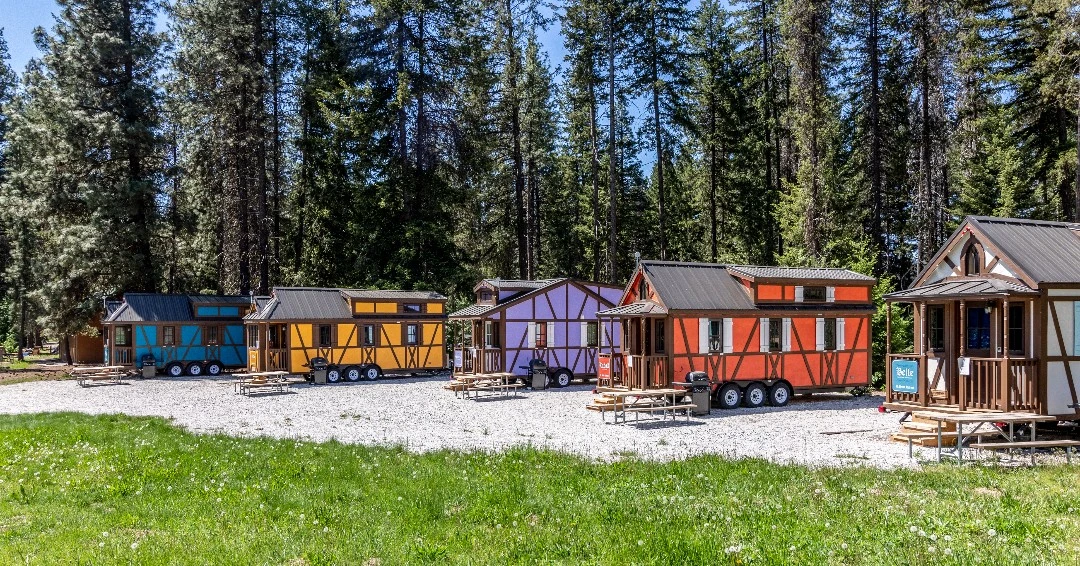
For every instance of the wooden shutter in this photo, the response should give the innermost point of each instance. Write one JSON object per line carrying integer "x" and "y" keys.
{"x": 830, "y": 294}
{"x": 584, "y": 335}
{"x": 786, "y": 336}
{"x": 1076, "y": 328}
{"x": 840, "y": 342}
{"x": 530, "y": 341}
{"x": 551, "y": 335}
{"x": 703, "y": 336}
{"x": 798, "y": 294}
{"x": 729, "y": 340}
{"x": 763, "y": 333}
{"x": 820, "y": 334}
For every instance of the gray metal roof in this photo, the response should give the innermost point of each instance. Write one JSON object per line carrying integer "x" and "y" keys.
{"x": 638, "y": 308}
{"x": 516, "y": 284}
{"x": 472, "y": 311}
{"x": 809, "y": 273}
{"x": 392, "y": 294}
{"x": 955, "y": 288}
{"x": 305, "y": 303}
{"x": 158, "y": 307}
{"x": 1048, "y": 252}
{"x": 696, "y": 286}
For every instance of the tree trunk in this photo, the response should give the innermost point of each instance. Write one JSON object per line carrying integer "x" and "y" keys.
{"x": 659, "y": 142}
{"x": 65, "y": 349}
{"x": 1076, "y": 206}
{"x": 594, "y": 139}
{"x": 876, "y": 189}
{"x": 612, "y": 169}
{"x": 515, "y": 134}
{"x": 713, "y": 229}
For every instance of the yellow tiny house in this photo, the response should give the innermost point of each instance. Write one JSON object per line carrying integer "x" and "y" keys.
{"x": 361, "y": 333}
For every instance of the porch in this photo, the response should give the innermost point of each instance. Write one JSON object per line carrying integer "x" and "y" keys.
{"x": 642, "y": 361}
{"x": 974, "y": 344}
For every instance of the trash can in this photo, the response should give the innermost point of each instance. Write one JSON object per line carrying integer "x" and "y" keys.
{"x": 318, "y": 369}
{"x": 538, "y": 370}
{"x": 700, "y": 394}
{"x": 148, "y": 363}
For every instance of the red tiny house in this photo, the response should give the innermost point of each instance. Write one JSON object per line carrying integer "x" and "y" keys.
{"x": 762, "y": 330}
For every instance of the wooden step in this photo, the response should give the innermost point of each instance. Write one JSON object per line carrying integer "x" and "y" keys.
{"x": 926, "y": 427}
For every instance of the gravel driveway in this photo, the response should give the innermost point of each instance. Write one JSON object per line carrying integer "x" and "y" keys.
{"x": 418, "y": 413}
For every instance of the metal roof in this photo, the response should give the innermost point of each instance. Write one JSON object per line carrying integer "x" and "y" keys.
{"x": 515, "y": 284}
{"x": 305, "y": 303}
{"x": 392, "y": 294}
{"x": 809, "y": 273}
{"x": 958, "y": 288}
{"x": 696, "y": 286}
{"x": 473, "y": 311}
{"x": 638, "y": 308}
{"x": 159, "y": 307}
{"x": 1048, "y": 252}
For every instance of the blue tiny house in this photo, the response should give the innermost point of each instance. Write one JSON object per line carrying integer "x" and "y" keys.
{"x": 186, "y": 334}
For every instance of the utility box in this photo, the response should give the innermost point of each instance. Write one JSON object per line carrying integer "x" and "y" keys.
{"x": 148, "y": 364}
{"x": 538, "y": 371}
{"x": 318, "y": 370}
{"x": 700, "y": 392}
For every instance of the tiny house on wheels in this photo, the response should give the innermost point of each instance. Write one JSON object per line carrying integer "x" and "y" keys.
{"x": 361, "y": 333}
{"x": 192, "y": 334}
{"x": 997, "y": 322}
{"x": 760, "y": 333}
{"x": 515, "y": 321}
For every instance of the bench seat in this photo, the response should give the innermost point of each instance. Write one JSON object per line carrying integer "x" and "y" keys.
{"x": 1031, "y": 445}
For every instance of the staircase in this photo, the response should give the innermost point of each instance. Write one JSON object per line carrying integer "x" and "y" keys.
{"x": 923, "y": 432}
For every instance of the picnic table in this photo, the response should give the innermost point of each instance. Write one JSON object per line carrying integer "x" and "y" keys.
{"x": 470, "y": 386}
{"x": 1003, "y": 424}
{"x": 112, "y": 374}
{"x": 651, "y": 401}
{"x": 247, "y": 382}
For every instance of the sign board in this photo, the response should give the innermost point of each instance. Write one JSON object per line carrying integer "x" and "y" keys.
{"x": 603, "y": 367}
{"x": 964, "y": 365}
{"x": 905, "y": 376}
{"x": 457, "y": 359}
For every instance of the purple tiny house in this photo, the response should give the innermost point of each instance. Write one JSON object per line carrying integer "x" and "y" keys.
{"x": 514, "y": 321}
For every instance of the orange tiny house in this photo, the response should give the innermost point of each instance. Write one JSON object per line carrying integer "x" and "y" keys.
{"x": 760, "y": 333}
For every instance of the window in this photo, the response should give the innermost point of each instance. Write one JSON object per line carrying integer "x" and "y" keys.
{"x": 412, "y": 336}
{"x": 813, "y": 294}
{"x": 660, "y": 346}
{"x": 642, "y": 289}
{"x": 776, "y": 329}
{"x": 1016, "y": 329}
{"x": 369, "y": 335}
{"x": 485, "y": 296}
{"x": 325, "y": 338}
{"x": 716, "y": 336}
{"x": 978, "y": 328}
{"x": 491, "y": 334}
{"x": 253, "y": 336}
{"x": 592, "y": 334}
{"x": 830, "y": 334}
{"x": 168, "y": 335}
{"x": 411, "y": 308}
{"x": 211, "y": 335}
{"x": 276, "y": 336}
{"x": 972, "y": 265}
{"x": 123, "y": 336}
{"x": 935, "y": 327}
{"x": 541, "y": 335}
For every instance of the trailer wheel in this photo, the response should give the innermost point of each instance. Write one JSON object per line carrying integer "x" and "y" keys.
{"x": 194, "y": 369}
{"x": 561, "y": 378}
{"x": 754, "y": 395}
{"x": 333, "y": 374}
{"x": 779, "y": 394}
{"x": 174, "y": 369}
{"x": 728, "y": 396}
{"x": 213, "y": 368}
{"x": 372, "y": 372}
{"x": 352, "y": 374}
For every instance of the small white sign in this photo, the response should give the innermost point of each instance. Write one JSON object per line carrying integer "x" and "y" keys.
{"x": 965, "y": 365}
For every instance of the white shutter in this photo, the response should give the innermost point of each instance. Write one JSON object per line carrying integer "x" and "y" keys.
{"x": 551, "y": 335}
{"x": 530, "y": 341}
{"x": 840, "y": 342}
{"x": 820, "y": 334}
{"x": 787, "y": 335}
{"x": 798, "y": 294}
{"x": 584, "y": 335}
{"x": 763, "y": 333}
{"x": 703, "y": 336}
{"x": 830, "y": 294}
{"x": 604, "y": 338}
{"x": 729, "y": 340}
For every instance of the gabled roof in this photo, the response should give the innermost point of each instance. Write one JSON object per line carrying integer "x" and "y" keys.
{"x": 638, "y": 308}
{"x": 754, "y": 272}
{"x": 1047, "y": 252}
{"x": 159, "y": 307}
{"x": 514, "y": 284}
{"x": 696, "y": 286}
{"x": 960, "y": 288}
{"x": 472, "y": 311}
{"x": 305, "y": 303}
{"x": 528, "y": 289}
{"x": 392, "y": 294}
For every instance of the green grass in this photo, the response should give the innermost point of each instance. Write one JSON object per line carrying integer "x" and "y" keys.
{"x": 136, "y": 490}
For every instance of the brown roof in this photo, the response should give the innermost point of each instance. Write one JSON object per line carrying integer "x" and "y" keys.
{"x": 958, "y": 288}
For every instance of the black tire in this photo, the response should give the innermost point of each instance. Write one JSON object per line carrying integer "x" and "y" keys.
{"x": 194, "y": 369}
{"x": 333, "y": 374}
{"x": 372, "y": 372}
{"x": 214, "y": 368}
{"x": 755, "y": 395}
{"x": 561, "y": 378}
{"x": 174, "y": 369}
{"x": 729, "y": 396}
{"x": 780, "y": 394}
{"x": 352, "y": 374}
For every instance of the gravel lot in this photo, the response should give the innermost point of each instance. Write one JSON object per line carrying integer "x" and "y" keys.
{"x": 834, "y": 430}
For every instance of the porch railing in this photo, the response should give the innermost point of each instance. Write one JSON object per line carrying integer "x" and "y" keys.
{"x": 478, "y": 360}
{"x": 123, "y": 357}
{"x": 275, "y": 360}
{"x": 923, "y": 395}
{"x": 644, "y": 372}
{"x": 999, "y": 384}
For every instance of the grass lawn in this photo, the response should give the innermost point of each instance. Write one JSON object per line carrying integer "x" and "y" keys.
{"x": 137, "y": 490}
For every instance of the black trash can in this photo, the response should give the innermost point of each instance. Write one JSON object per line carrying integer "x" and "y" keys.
{"x": 318, "y": 367}
{"x": 700, "y": 392}
{"x": 148, "y": 364}
{"x": 538, "y": 371}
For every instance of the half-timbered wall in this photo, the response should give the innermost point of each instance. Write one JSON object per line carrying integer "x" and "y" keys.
{"x": 188, "y": 344}
{"x": 391, "y": 352}
{"x": 1062, "y": 351}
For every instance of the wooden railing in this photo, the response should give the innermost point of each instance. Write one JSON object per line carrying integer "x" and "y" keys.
{"x": 645, "y": 372}
{"x": 479, "y": 360}
{"x": 922, "y": 397}
{"x": 275, "y": 360}
{"x": 998, "y": 384}
{"x": 123, "y": 357}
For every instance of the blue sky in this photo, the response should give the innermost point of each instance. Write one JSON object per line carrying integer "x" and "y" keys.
{"x": 18, "y": 18}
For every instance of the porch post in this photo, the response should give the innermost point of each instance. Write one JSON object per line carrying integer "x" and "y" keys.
{"x": 1004, "y": 385}
{"x": 888, "y": 352}
{"x": 961, "y": 380}
{"x": 924, "y": 395}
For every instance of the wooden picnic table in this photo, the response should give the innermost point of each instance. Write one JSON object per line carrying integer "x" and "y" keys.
{"x": 980, "y": 420}
{"x": 84, "y": 374}
{"x": 246, "y": 381}
{"x": 470, "y": 386}
{"x": 645, "y": 400}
